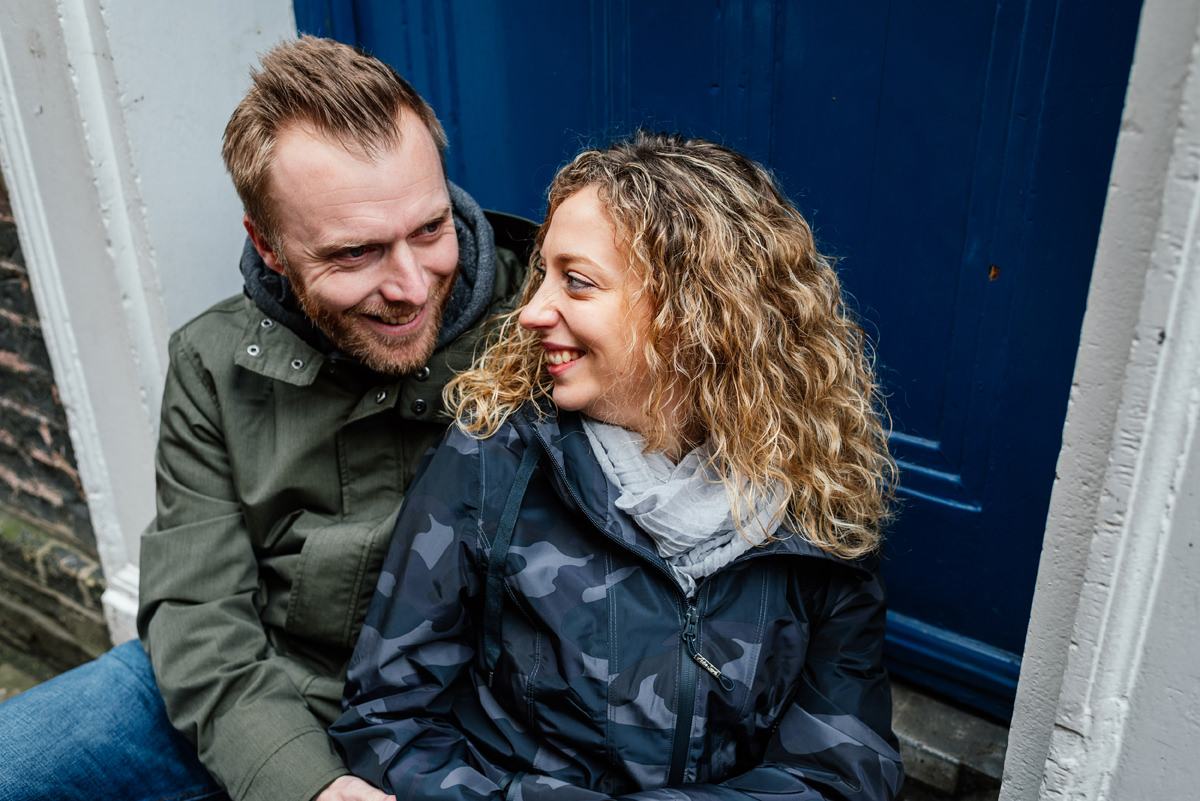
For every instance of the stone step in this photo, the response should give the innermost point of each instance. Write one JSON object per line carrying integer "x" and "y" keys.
{"x": 19, "y": 671}
{"x": 949, "y": 753}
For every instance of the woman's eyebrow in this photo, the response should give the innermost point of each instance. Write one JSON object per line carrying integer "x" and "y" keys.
{"x": 570, "y": 258}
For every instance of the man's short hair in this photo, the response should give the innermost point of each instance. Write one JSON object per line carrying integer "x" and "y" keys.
{"x": 338, "y": 90}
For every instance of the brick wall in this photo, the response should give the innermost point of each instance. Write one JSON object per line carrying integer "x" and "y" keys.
{"x": 50, "y": 578}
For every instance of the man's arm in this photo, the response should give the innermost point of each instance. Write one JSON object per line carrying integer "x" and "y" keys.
{"x": 224, "y": 685}
{"x": 411, "y": 665}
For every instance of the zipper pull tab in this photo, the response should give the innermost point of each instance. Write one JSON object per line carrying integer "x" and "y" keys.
{"x": 689, "y": 640}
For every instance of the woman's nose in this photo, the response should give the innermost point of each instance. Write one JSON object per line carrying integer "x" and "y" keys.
{"x": 539, "y": 312}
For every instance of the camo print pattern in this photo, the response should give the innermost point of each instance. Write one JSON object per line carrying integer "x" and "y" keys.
{"x": 594, "y": 686}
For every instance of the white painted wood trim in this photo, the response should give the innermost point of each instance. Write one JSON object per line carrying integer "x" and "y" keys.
{"x": 111, "y": 114}
{"x": 74, "y": 198}
{"x": 1129, "y": 435}
{"x": 1156, "y": 433}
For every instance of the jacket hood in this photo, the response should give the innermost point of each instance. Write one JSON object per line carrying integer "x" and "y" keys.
{"x": 472, "y": 293}
{"x": 581, "y": 483}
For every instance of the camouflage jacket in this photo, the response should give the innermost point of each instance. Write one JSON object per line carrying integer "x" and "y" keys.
{"x": 549, "y": 653}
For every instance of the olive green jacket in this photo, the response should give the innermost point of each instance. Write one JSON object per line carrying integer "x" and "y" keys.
{"x": 280, "y": 471}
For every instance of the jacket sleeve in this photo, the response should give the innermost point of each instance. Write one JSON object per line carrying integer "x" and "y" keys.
{"x": 225, "y": 687}
{"x": 410, "y": 671}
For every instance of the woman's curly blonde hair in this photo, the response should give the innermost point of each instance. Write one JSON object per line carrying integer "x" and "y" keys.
{"x": 748, "y": 325}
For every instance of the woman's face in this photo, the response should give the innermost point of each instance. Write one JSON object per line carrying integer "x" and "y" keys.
{"x": 590, "y": 319}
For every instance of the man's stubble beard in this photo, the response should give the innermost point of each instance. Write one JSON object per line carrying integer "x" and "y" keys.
{"x": 383, "y": 355}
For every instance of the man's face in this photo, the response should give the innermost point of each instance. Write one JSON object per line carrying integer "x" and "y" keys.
{"x": 368, "y": 246}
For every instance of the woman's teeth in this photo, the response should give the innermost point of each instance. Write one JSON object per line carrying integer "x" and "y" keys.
{"x": 562, "y": 356}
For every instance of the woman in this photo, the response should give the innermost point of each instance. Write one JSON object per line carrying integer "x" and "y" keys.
{"x": 640, "y": 564}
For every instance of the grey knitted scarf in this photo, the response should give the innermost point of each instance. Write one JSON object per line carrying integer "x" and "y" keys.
{"x": 683, "y": 507}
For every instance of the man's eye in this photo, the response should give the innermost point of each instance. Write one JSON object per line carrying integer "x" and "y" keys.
{"x": 432, "y": 227}
{"x": 355, "y": 253}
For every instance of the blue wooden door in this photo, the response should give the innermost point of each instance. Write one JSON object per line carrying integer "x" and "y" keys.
{"x": 953, "y": 154}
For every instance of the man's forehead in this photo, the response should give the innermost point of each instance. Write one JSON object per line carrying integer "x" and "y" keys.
{"x": 411, "y": 138}
{"x": 313, "y": 170}
{"x": 304, "y": 134}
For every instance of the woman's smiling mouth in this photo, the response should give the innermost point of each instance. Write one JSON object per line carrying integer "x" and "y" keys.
{"x": 562, "y": 356}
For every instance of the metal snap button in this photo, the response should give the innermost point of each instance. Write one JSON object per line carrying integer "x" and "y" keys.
{"x": 419, "y": 406}
{"x": 254, "y": 350}
{"x": 297, "y": 364}
{"x": 267, "y": 323}
{"x": 423, "y": 373}
{"x": 381, "y": 396}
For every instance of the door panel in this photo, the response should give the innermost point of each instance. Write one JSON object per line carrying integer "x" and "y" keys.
{"x": 952, "y": 154}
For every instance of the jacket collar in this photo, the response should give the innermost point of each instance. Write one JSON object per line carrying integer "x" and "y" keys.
{"x": 581, "y": 483}
{"x": 276, "y": 351}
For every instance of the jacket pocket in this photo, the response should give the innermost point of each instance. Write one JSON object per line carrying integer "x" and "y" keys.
{"x": 339, "y": 566}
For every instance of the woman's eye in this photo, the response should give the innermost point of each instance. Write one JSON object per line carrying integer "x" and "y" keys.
{"x": 574, "y": 282}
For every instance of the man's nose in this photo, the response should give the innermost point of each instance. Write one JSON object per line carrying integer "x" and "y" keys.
{"x": 404, "y": 280}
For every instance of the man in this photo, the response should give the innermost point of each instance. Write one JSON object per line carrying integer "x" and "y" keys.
{"x": 293, "y": 419}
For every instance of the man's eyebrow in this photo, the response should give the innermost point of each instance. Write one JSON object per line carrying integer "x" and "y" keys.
{"x": 443, "y": 214}
{"x": 329, "y": 248}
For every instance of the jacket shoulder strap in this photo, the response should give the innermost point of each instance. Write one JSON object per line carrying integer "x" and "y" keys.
{"x": 494, "y": 592}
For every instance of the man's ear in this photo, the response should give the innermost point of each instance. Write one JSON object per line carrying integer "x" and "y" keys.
{"x": 268, "y": 254}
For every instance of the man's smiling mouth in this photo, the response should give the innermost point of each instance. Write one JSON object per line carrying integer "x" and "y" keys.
{"x": 393, "y": 318}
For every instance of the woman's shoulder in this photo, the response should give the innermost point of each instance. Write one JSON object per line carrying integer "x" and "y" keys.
{"x": 516, "y": 433}
{"x": 528, "y": 423}
{"x": 793, "y": 543}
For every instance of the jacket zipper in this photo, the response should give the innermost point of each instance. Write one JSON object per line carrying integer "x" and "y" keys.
{"x": 686, "y": 707}
{"x": 689, "y": 655}
{"x": 689, "y": 640}
{"x": 689, "y": 658}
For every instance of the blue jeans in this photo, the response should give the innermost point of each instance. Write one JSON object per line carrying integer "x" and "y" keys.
{"x": 98, "y": 732}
